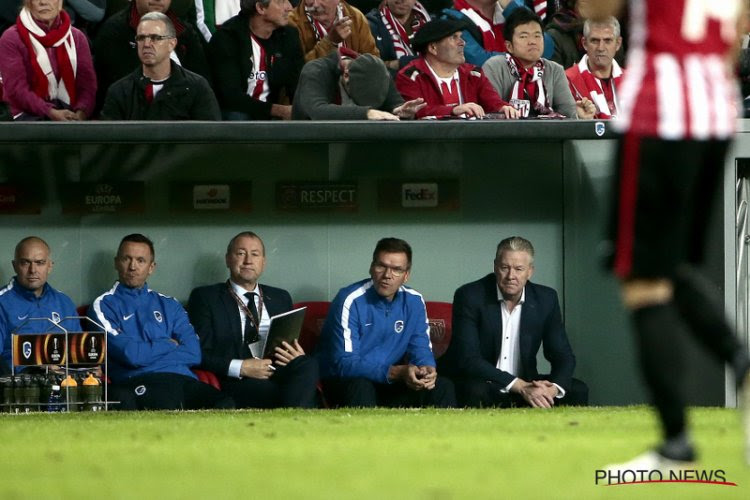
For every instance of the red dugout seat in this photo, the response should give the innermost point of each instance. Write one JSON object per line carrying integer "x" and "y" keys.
{"x": 315, "y": 316}
{"x": 440, "y": 317}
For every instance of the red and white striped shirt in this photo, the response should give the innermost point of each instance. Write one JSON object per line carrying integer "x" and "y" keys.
{"x": 678, "y": 84}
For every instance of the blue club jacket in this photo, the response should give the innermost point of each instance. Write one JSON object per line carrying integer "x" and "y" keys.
{"x": 17, "y": 304}
{"x": 364, "y": 334}
{"x": 142, "y": 327}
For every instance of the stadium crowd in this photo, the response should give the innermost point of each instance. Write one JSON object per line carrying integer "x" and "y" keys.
{"x": 70, "y": 60}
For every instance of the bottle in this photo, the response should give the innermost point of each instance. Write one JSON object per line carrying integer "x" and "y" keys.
{"x": 69, "y": 388}
{"x": 91, "y": 401}
{"x": 18, "y": 395}
{"x": 54, "y": 404}
{"x": 45, "y": 389}
{"x": 7, "y": 384}
{"x": 32, "y": 394}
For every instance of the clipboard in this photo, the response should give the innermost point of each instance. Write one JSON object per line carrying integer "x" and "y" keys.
{"x": 284, "y": 327}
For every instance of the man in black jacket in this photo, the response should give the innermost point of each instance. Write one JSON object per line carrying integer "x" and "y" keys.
{"x": 160, "y": 89}
{"x": 256, "y": 58}
{"x": 115, "y": 53}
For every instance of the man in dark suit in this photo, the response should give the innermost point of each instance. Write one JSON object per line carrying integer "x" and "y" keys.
{"x": 499, "y": 324}
{"x": 232, "y": 320}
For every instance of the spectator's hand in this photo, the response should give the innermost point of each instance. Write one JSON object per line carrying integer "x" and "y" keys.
{"x": 585, "y": 109}
{"x": 62, "y": 115}
{"x": 533, "y": 394}
{"x": 409, "y": 109}
{"x": 428, "y": 376}
{"x": 376, "y": 114}
{"x": 549, "y": 389}
{"x": 341, "y": 29}
{"x": 287, "y": 352}
{"x": 469, "y": 109}
{"x": 283, "y": 111}
{"x": 81, "y": 115}
{"x": 510, "y": 112}
{"x": 256, "y": 368}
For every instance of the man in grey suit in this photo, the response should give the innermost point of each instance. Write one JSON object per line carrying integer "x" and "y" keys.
{"x": 536, "y": 87}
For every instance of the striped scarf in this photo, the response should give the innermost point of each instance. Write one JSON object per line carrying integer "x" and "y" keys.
{"x": 401, "y": 39}
{"x": 60, "y": 38}
{"x": 595, "y": 91}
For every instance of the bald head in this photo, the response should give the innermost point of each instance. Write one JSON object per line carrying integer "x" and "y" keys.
{"x": 32, "y": 263}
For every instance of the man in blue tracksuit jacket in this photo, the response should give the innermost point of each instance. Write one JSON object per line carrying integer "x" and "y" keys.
{"x": 151, "y": 344}
{"x": 28, "y": 295}
{"x": 375, "y": 344}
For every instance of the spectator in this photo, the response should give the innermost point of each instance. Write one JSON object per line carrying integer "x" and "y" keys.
{"x": 28, "y": 295}
{"x": 232, "y": 320}
{"x": 484, "y": 21}
{"x": 160, "y": 89}
{"x": 448, "y": 85}
{"x": 565, "y": 31}
{"x": 151, "y": 344}
{"x": 533, "y": 85}
{"x": 257, "y": 58}
{"x": 115, "y": 49}
{"x": 210, "y": 14}
{"x": 325, "y": 25}
{"x": 46, "y": 65}
{"x": 393, "y": 24}
{"x": 372, "y": 326}
{"x": 499, "y": 324}
{"x": 597, "y": 75}
{"x": 85, "y": 14}
{"x": 348, "y": 86}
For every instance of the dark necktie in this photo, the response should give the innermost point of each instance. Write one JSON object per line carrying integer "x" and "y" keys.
{"x": 251, "y": 334}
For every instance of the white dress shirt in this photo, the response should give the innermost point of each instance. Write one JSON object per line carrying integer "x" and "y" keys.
{"x": 256, "y": 348}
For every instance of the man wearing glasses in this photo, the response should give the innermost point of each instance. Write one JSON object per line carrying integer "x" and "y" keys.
{"x": 375, "y": 344}
{"x": 160, "y": 89}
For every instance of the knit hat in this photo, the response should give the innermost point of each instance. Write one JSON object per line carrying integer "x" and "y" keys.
{"x": 369, "y": 81}
{"x": 434, "y": 31}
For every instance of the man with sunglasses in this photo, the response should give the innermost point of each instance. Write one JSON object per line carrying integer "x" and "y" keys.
{"x": 375, "y": 348}
{"x": 160, "y": 89}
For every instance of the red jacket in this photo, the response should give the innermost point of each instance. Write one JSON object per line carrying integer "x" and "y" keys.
{"x": 415, "y": 80}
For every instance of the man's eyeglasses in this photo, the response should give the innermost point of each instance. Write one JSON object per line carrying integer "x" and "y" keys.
{"x": 152, "y": 38}
{"x": 381, "y": 268}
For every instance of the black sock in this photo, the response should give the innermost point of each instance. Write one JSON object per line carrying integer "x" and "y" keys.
{"x": 678, "y": 448}
{"x": 697, "y": 303}
{"x": 660, "y": 337}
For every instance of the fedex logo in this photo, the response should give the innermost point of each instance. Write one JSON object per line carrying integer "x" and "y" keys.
{"x": 420, "y": 195}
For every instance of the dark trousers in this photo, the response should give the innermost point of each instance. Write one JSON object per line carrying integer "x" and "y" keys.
{"x": 166, "y": 391}
{"x": 364, "y": 393}
{"x": 291, "y": 386}
{"x": 475, "y": 393}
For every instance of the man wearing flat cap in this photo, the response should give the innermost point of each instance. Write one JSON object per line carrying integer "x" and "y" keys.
{"x": 440, "y": 75}
{"x": 348, "y": 86}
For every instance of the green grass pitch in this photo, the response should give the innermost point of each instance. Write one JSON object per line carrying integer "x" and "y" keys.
{"x": 367, "y": 454}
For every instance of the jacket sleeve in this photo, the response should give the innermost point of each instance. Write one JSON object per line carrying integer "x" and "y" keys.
{"x": 205, "y": 106}
{"x": 412, "y": 89}
{"x": 556, "y": 347}
{"x": 310, "y": 47}
{"x": 562, "y": 99}
{"x": 191, "y": 53}
{"x": 85, "y": 76}
{"x": 231, "y": 87}
{"x": 189, "y": 348}
{"x": 361, "y": 34}
{"x": 419, "y": 350}
{"x": 202, "y": 317}
{"x": 14, "y": 69}
{"x": 114, "y": 107}
{"x": 315, "y": 95}
{"x": 466, "y": 325}
{"x": 492, "y": 70}
{"x": 125, "y": 345}
{"x": 343, "y": 329}
{"x": 488, "y": 97}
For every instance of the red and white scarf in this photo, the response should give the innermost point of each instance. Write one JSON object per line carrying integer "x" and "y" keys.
{"x": 401, "y": 39}
{"x": 257, "y": 85}
{"x": 319, "y": 30}
{"x": 528, "y": 86}
{"x": 540, "y": 7}
{"x": 596, "y": 92}
{"x": 43, "y": 81}
{"x": 492, "y": 29}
